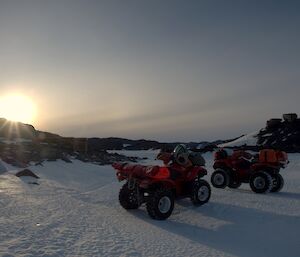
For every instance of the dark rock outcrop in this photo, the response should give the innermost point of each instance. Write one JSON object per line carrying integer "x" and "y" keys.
{"x": 26, "y": 173}
{"x": 290, "y": 117}
{"x": 280, "y": 134}
{"x": 273, "y": 123}
{"x": 13, "y": 130}
{"x": 284, "y": 136}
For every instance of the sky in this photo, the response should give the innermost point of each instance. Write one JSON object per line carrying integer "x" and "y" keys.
{"x": 169, "y": 70}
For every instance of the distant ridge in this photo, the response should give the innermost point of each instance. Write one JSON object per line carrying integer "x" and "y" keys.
{"x": 17, "y": 130}
{"x": 21, "y": 143}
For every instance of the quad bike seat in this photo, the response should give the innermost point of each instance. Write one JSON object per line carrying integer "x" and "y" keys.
{"x": 135, "y": 170}
{"x": 221, "y": 154}
{"x": 242, "y": 159}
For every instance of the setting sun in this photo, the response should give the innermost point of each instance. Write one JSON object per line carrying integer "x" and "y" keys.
{"x": 17, "y": 108}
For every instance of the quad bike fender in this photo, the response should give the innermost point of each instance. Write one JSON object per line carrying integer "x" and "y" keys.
{"x": 151, "y": 183}
{"x": 268, "y": 168}
{"x": 221, "y": 164}
{"x": 196, "y": 171}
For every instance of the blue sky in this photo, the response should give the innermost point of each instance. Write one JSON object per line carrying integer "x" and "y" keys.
{"x": 165, "y": 70}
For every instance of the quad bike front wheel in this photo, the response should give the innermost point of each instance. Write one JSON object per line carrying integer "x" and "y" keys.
{"x": 128, "y": 198}
{"x": 160, "y": 204}
{"x": 278, "y": 183}
{"x": 261, "y": 182}
{"x": 220, "y": 178}
{"x": 201, "y": 192}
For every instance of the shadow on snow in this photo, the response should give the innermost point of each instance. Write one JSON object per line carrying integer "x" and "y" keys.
{"x": 248, "y": 232}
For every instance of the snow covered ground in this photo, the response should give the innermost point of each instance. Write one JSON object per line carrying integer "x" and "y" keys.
{"x": 249, "y": 139}
{"x": 74, "y": 211}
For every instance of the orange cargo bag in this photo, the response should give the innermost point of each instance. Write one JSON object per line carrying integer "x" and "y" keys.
{"x": 282, "y": 157}
{"x": 268, "y": 155}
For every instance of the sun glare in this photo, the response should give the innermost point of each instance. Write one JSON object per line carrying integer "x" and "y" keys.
{"x": 17, "y": 108}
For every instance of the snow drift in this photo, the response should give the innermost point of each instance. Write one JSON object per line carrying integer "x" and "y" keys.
{"x": 248, "y": 140}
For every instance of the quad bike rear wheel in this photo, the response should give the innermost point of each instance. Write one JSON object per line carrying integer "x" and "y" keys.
{"x": 261, "y": 182}
{"x": 220, "y": 178}
{"x": 160, "y": 204}
{"x": 128, "y": 198}
{"x": 278, "y": 183}
{"x": 201, "y": 192}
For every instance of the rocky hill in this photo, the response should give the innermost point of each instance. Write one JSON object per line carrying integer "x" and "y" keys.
{"x": 12, "y": 130}
{"x": 282, "y": 134}
{"x": 21, "y": 144}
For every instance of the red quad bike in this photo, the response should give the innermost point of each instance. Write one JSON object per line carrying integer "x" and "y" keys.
{"x": 159, "y": 186}
{"x": 261, "y": 172}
